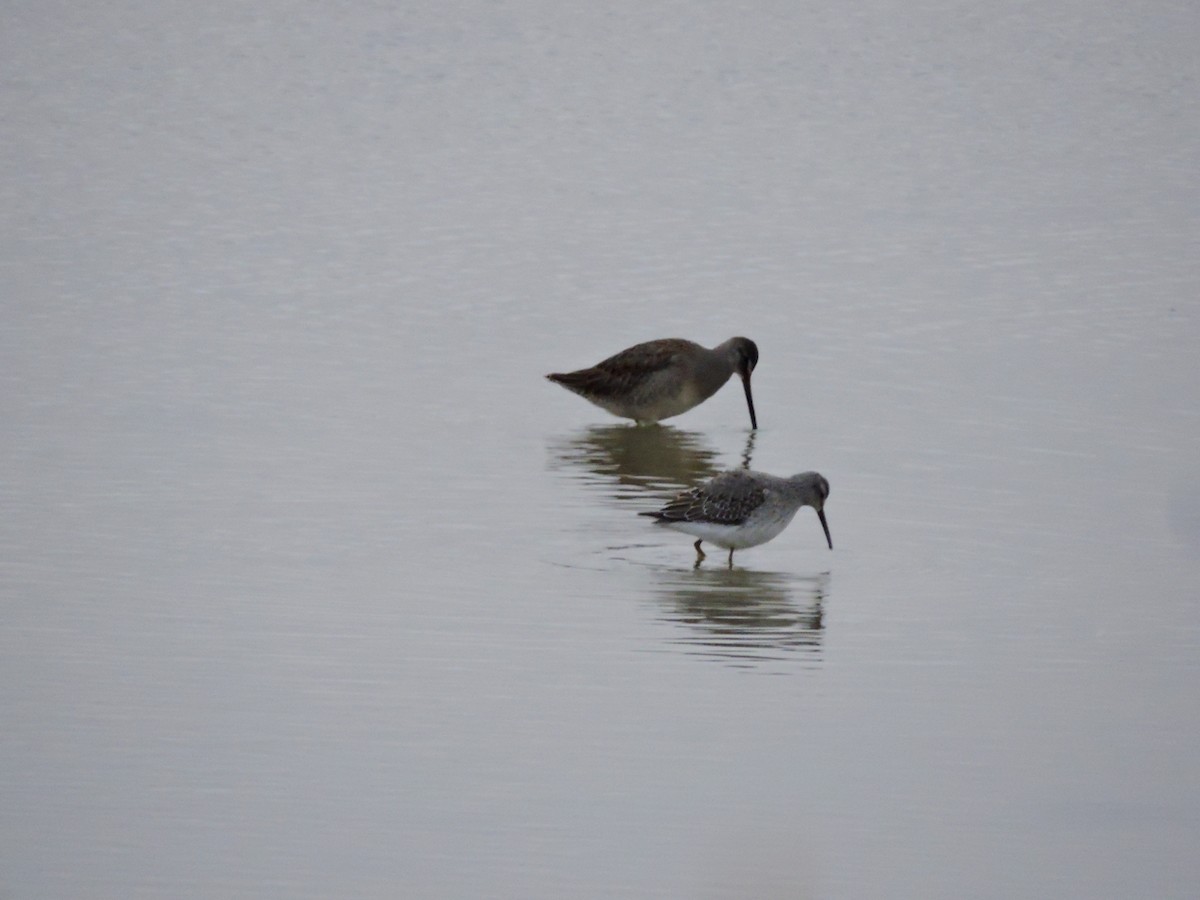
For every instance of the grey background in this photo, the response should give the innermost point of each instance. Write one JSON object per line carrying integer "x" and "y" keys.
{"x": 312, "y": 586}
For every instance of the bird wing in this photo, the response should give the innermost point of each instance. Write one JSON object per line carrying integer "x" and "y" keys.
{"x": 725, "y": 500}
{"x": 622, "y": 373}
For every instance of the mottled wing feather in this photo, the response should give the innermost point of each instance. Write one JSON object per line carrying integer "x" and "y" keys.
{"x": 622, "y": 374}
{"x": 726, "y": 500}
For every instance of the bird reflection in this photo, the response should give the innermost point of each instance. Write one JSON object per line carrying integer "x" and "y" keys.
{"x": 743, "y": 617}
{"x": 657, "y": 457}
{"x": 635, "y": 459}
{"x": 749, "y": 451}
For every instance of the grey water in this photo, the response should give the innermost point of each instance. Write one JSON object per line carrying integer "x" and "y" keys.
{"x": 312, "y": 586}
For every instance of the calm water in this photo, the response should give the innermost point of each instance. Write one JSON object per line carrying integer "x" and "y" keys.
{"x": 312, "y": 586}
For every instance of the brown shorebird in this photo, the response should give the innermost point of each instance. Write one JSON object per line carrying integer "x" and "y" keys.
{"x": 742, "y": 508}
{"x": 660, "y": 379}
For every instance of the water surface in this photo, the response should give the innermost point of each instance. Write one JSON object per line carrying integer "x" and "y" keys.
{"x": 313, "y": 586}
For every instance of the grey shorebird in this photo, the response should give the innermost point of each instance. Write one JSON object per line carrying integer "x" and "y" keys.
{"x": 742, "y": 508}
{"x": 660, "y": 379}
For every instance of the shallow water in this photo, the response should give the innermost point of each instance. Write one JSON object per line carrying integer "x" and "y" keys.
{"x": 314, "y": 586}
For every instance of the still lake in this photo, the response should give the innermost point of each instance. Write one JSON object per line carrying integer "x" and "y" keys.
{"x": 313, "y": 586}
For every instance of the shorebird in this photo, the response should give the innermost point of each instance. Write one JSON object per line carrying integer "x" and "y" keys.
{"x": 659, "y": 379}
{"x": 742, "y": 508}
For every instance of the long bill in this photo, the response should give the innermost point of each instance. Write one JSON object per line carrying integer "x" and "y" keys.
{"x": 749, "y": 400}
{"x": 825, "y": 525}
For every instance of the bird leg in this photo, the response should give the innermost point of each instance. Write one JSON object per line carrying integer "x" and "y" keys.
{"x": 731, "y": 559}
{"x": 700, "y": 554}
